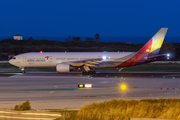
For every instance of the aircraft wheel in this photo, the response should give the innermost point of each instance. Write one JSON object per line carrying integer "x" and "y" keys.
{"x": 90, "y": 72}
{"x": 23, "y": 72}
{"x": 84, "y": 73}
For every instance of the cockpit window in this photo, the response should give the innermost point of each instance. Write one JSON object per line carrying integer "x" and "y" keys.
{"x": 11, "y": 57}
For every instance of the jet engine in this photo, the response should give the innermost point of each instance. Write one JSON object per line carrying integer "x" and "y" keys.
{"x": 63, "y": 67}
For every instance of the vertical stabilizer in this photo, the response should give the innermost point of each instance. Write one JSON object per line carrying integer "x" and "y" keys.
{"x": 151, "y": 48}
{"x": 154, "y": 44}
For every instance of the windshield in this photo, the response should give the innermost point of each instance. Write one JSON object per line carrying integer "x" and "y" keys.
{"x": 13, "y": 58}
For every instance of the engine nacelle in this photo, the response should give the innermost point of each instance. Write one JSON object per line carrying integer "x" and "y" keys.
{"x": 63, "y": 67}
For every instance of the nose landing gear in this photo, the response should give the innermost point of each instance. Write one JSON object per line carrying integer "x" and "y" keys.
{"x": 23, "y": 71}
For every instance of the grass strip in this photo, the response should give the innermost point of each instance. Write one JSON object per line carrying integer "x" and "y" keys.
{"x": 126, "y": 109}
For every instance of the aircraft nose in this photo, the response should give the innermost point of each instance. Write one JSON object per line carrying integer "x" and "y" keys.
{"x": 10, "y": 61}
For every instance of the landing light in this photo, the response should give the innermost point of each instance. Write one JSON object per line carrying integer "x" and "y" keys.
{"x": 168, "y": 55}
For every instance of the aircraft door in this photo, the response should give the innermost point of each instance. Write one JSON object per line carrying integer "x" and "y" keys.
{"x": 24, "y": 59}
{"x": 50, "y": 58}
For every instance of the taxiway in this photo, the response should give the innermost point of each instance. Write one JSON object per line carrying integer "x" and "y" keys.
{"x": 53, "y": 90}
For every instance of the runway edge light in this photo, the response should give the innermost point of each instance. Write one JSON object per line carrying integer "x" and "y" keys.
{"x": 80, "y": 85}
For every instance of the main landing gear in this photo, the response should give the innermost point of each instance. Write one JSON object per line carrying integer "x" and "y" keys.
{"x": 88, "y": 72}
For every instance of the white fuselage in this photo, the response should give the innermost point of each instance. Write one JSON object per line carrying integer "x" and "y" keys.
{"x": 68, "y": 61}
{"x": 51, "y": 59}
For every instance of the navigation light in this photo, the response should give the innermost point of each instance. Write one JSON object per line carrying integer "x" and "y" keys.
{"x": 41, "y": 51}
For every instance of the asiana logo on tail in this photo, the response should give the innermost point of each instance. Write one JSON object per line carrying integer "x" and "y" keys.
{"x": 47, "y": 57}
{"x": 147, "y": 50}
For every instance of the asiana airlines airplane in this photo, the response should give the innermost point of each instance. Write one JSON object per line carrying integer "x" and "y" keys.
{"x": 68, "y": 61}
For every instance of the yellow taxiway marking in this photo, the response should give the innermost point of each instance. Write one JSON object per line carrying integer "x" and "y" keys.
{"x": 56, "y": 86}
{"x": 51, "y": 92}
{"x": 28, "y": 118}
{"x": 57, "y": 115}
{"x": 5, "y": 112}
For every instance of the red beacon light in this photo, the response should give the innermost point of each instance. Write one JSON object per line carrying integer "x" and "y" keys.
{"x": 41, "y": 51}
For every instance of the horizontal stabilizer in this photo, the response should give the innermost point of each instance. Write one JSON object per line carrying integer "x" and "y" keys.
{"x": 152, "y": 57}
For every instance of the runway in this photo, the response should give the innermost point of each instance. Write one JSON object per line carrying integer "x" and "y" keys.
{"x": 53, "y": 90}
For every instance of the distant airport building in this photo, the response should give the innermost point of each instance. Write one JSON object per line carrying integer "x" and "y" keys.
{"x": 128, "y": 42}
{"x": 18, "y": 37}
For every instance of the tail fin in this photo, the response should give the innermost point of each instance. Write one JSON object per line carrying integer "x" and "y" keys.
{"x": 154, "y": 44}
{"x": 151, "y": 48}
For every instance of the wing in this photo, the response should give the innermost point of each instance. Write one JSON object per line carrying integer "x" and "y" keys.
{"x": 86, "y": 62}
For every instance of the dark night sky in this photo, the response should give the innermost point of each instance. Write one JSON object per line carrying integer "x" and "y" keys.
{"x": 88, "y": 17}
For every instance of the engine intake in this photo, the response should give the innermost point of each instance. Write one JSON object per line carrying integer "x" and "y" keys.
{"x": 63, "y": 67}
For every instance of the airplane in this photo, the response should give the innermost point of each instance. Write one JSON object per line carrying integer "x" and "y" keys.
{"x": 68, "y": 61}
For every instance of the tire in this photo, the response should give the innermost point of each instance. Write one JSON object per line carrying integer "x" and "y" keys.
{"x": 93, "y": 72}
{"x": 90, "y": 72}
{"x": 83, "y": 73}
